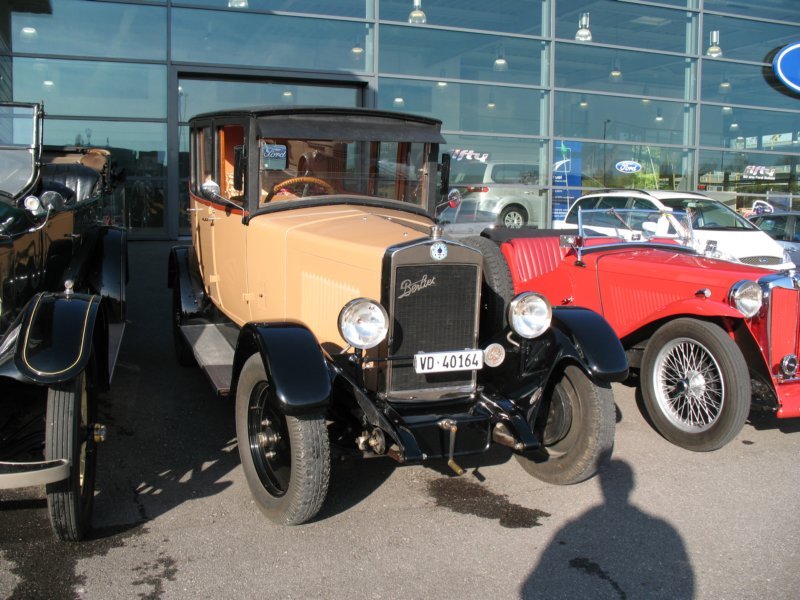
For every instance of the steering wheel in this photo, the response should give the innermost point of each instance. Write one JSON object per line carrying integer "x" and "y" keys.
{"x": 304, "y": 180}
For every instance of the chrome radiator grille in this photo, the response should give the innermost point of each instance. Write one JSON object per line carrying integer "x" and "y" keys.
{"x": 430, "y": 317}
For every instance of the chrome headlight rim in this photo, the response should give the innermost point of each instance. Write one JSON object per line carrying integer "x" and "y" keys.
{"x": 747, "y": 297}
{"x": 363, "y": 323}
{"x": 529, "y": 315}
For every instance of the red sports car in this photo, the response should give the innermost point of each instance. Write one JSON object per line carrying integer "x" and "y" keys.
{"x": 708, "y": 337}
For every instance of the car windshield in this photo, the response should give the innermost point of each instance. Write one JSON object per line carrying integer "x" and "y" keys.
{"x": 709, "y": 214}
{"x": 634, "y": 225}
{"x": 17, "y": 144}
{"x": 380, "y": 169}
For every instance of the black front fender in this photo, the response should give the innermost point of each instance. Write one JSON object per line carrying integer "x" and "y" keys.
{"x": 55, "y": 337}
{"x": 293, "y": 362}
{"x": 596, "y": 346}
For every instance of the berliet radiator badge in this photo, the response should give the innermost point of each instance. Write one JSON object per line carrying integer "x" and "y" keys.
{"x": 439, "y": 251}
{"x": 408, "y": 287}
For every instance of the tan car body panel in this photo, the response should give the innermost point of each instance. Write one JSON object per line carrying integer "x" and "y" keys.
{"x": 304, "y": 264}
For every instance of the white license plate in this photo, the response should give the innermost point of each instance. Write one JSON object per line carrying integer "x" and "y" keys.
{"x": 440, "y": 362}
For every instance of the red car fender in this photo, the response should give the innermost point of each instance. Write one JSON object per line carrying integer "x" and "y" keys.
{"x": 701, "y": 307}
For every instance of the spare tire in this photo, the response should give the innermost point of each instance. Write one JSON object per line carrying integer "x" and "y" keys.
{"x": 497, "y": 289}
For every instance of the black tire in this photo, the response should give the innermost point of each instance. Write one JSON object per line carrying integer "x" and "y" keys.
{"x": 71, "y": 414}
{"x": 513, "y": 216}
{"x": 290, "y": 486}
{"x": 183, "y": 352}
{"x": 695, "y": 384}
{"x": 577, "y": 434}
{"x": 497, "y": 289}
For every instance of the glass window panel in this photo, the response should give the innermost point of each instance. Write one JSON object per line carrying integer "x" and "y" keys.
{"x": 91, "y": 88}
{"x": 99, "y": 29}
{"x": 197, "y": 96}
{"x": 337, "y": 8}
{"x": 594, "y": 165}
{"x": 590, "y": 68}
{"x": 140, "y": 149}
{"x": 627, "y": 24}
{"x": 730, "y": 127}
{"x": 468, "y": 107}
{"x": 623, "y": 119}
{"x": 509, "y": 16}
{"x": 241, "y": 38}
{"x": 778, "y": 10}
{"x": 732, "y": 83}
{"x": 509, "y": 168}
{"x": 748, "y": 172}
{"x": 748, "y": 40}
{"x": 450, "y": 54}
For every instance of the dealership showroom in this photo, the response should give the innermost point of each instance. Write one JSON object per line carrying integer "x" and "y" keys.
{"x": 684, "y": 90}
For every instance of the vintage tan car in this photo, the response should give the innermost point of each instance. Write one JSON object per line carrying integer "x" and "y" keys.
{"x": 321, "y": 293}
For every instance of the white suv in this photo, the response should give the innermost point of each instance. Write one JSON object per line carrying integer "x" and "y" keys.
{"x": 508, "y": 190}
{"x": 735, "y": 238}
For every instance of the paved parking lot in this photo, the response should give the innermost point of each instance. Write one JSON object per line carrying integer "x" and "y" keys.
{"x": 174, "y": 518}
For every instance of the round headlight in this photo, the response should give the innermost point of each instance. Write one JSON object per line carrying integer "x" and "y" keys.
{"x": 363, "y": 323}
{"x": 529, "y": 314}
{"x": 746, "y": 297}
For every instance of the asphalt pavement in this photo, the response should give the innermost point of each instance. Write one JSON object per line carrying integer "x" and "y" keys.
{"x": 174, "y": 518}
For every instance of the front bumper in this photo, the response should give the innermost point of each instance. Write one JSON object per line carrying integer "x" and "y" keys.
{"x": 25, "y": 474}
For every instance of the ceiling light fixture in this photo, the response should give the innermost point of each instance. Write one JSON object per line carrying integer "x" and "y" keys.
{"x": 238, "y": 4}
{"x": 727, "y": 110}
{"x": 491, "y": 105}
{"x": 584, "y": 103}
{"x": 48, "y": 83}
{"x": 398, "y": 101}
{"x": 29, "y": 33}
{"x": 417, "y": 16}
{"x": 724, "y": 85}
{"x": 659, "y": 116}
{"x": 584, "y": 34}
{"x": 500, "y": 62}
{"x": 734, "y": 126}
{"x": 357, "y": 50}
{"x": 714, "y": 50}
{"x": 616, "y": 71}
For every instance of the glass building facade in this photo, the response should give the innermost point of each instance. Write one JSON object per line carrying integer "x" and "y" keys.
{"x": 570, "y": 89}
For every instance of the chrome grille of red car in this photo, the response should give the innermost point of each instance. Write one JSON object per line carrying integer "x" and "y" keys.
{"x": 784, "y": 336}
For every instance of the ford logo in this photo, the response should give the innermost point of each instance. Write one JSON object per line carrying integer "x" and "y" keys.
{"x": 787, "y": 66}
{"x": 628, "y": 166}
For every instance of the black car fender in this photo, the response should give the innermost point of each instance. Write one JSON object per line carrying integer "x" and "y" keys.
{"x": 293, "y": 362}
{"x": 182, "y": 271}
{"x": 55, "y": 336}
{"x": 594, "y": 344}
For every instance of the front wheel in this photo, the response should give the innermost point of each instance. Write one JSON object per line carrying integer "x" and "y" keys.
{"x": 577, "y": 433}
{"x": 286, "y": 459}
{"x": 71, "y": 413}
{"x": 695, "y": 385}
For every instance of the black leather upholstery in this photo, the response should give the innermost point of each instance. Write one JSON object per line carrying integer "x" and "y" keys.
{"x": 82, "y": 180}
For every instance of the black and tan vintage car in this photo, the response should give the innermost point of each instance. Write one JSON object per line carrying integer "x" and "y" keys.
{"x": 62, "y": 313}
{"x": 321, "y": 293}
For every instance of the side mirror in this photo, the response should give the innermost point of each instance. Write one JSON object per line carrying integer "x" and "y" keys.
{"x": 454, "y": 198}
{"x": 210, "y": 190}
{"x": 444, "y": 182}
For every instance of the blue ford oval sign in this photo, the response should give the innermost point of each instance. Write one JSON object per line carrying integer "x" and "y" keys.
{"x": 787, "y": 66}
{"x": 628, "y": 166}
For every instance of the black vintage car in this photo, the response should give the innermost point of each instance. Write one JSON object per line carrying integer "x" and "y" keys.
{"x": 63, "y": 275}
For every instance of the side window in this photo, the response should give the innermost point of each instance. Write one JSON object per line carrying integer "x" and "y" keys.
{"x": 231, "y": 144}
{"x": 202, "y": 168}
{"x": 774, "y": 227}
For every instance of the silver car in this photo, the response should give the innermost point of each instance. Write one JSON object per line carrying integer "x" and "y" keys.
{"x": 784, "y": 228}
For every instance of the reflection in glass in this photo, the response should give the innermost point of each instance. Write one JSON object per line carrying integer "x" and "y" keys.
{"x": 508, "y": 16}
{"x": 266, "y": 40}
{"x": 98, "y": 29}
{"x": 626, "y": 24}
{"x": 92, "y": 88}
{"x": 579, "y": 66}
{"x": 339, "y": 8}
{"x": 777, "y": 10}
{"x": 754, "y": 85}
{"x": 140, "y": 149}
{"x": 623, "y": 119}
{"x": 748, "y": 172}
{"x": 469, "y": 55}
{"x": 754, "y": 41}
{"x": 465, "y": 107}
{"x": 196, "y": 96}
{"x": 729, "y": 127}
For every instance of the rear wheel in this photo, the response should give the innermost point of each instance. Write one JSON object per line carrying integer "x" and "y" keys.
{"x": 577, "y": 433}
{"x": 695, "y": 384}
{"x": 286, "y": 459}
{"x": 497, "y": 290}
{"x": 71, "y": 414}
{"x": 513, "y": 217}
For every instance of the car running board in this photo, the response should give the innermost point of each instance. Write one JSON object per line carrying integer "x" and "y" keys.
{"x": 213, "y": 351}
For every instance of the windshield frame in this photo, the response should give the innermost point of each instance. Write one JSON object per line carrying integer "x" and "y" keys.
{"x": 14, "y": 185}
